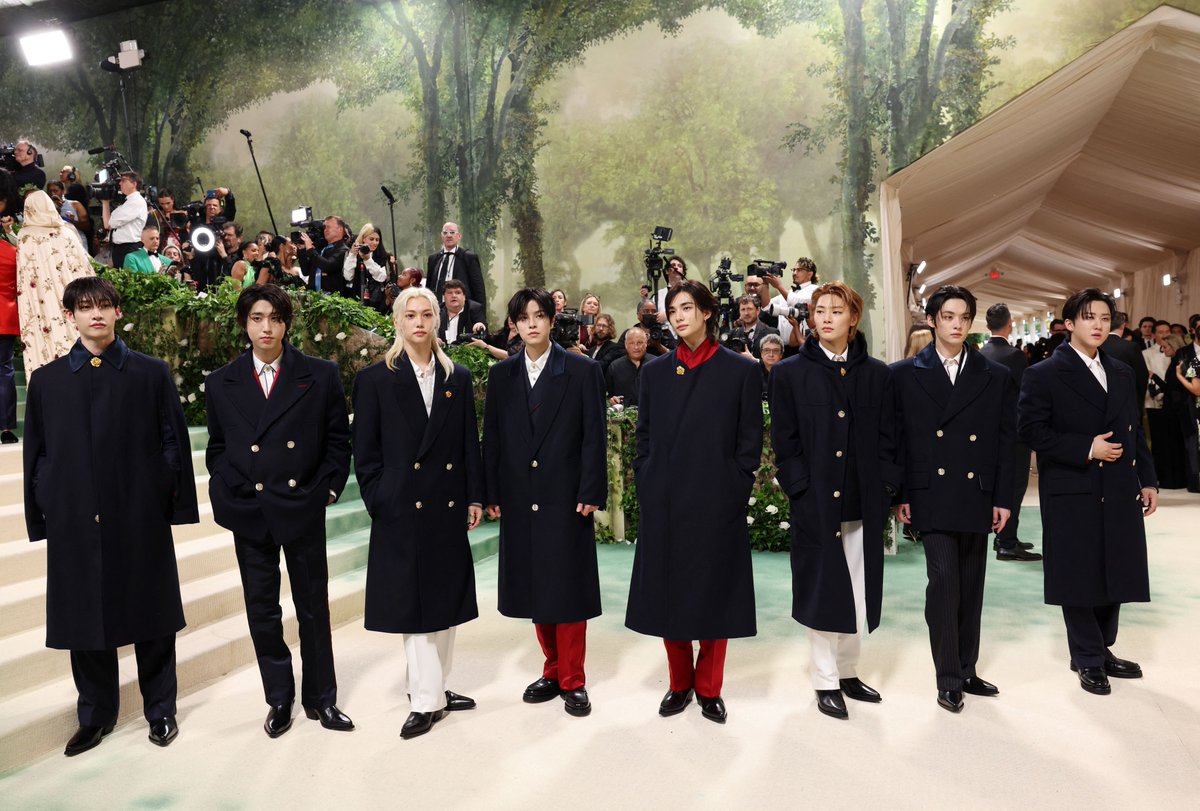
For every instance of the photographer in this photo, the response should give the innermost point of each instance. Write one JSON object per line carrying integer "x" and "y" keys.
{"x": 27, "y": 174}
{"x": 323, "y": 268}
{"x": 676, "y": 273}
{"x": 659, "y": 340}
{"x": 604, "y": 350}
{"x": 804, "y": 282}
{"x": 229, "y": 247}
{"x": 624, "y": 373}
{"x": 365, "y": 269}
{"x": 71, "y": 211}
{"x": 503, "y": 343}
{"x": 459, "y": 317}
{"x": 789, "y": 327}
{"x": 126, "y": 220}
{"x": 163, "y": 213}
{"x": 749, "y": 324}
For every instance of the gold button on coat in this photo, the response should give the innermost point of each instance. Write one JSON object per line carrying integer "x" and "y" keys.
{"x": 416, "y": 465}
{"x": 941, "y": 471}
{"x": 419, "y": 505}
{"x": 971, "y": 437}
{"x": 535, "y": 508}
{"x": 449, "y": 466}
{"x": 291, "y": 444}
{"x": 837, "y": 534}
{"x": 837, "y": 493}
{"x": 258, "y": 487}
{"x": 841, "y": 414}
{"x": 533, "y": 463}
{"x": 253, "y": 449}
{"x": 970, "y": 475}
{"x": 941, "y": 432}
{"x": 451, "y": 504}
{"x": 291, "y": 482}
{"x": 838, "y": 454}
{"x": 97, "y": 519}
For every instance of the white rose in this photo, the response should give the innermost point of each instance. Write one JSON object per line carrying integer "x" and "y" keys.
{"x": 363, "y": 351}
{"x": 128, "y": 326}
{"x": 202, "y": 295}
{"x": 201, "y": 387}
{"x": 183, "y": 342}
{"x": 784, "y": 525}
{"x": 341, "y": 336}
{"x": 192, "y": 397}
{"x": 772, "y": 509}
{"x": 753, "y": 501}
{"x": 749, "y": 519}
{"x": 317, "y": 338}
{"x": 351, "y": 420}
{"x": 178, "y": 380}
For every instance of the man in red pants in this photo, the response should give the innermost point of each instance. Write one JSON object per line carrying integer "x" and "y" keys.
{"x": 544, "y": 440}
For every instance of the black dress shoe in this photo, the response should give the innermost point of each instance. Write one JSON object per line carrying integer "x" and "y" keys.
{"x": 331, "y": 718}
{"x": 951, "y": 700}
{"x": 1017, "y": 554}
{"x": 577, "y": 702}
{"x": 542, "y": 690}
{"x": 418, "y": 723}
{"x": 455, "y": 702}
{"x": 163, "y": 731}
{"x": 8, "y": 438}
{"x": 279, "y": 720}
{"x": 85, "y": 738}
{"x": 1020, "y": 545}
{"x": 1093, "y": 679}
{"x": 978, "y": 687}
{"x": 832, "y": 704}
{"x": 674, "y": 703}
{"x": 1121, "y": 668}
{"x": 855, "y": 689}
{"x": 712, "y": 708}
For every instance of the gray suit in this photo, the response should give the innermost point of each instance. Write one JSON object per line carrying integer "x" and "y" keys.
{"x": 1013, "y": 359}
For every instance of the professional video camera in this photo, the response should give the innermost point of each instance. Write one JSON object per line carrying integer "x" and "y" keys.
{"x": 8, "y": 158}
{"x": 656, "y": 332}
{"x": 467, "y": 337}
{"x": 655, "y": 257}
{"x": 105, "y": 186}
{"x": 565, "y": 331}
{"x": 721, "y": 284}
{"x": 302, "y": 219}
{"x": 765, "y": 267}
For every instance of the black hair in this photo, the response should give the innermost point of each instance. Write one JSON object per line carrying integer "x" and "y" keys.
{"x": 1146, "y": 318}
{"x": 237, "y": 229}
{"x": 134, "y": 176}
{"x": 58, "y": 183}
{"x": 1192, "y": 319}
{"x": 454, "y": 284}
{"x": 9, "y": 200}
{"x": 165, "y": 192}
{"x": 947, "y": 292}
{"x": 77, "y": 193}
{"x": 243, "y": 246}
{"x": 280, "y": 301}
{"x": 1161, "y": 323}
{"x": 521, "y": 299}
{"x": 94, "y": 290}
{"x": 998, "y": 317}
{"x": 678, "y": 259}
{"x": 1078, "y": 303}
{"x": 1119, "y": 320}
{"x": 1056, "y": 322}
{"x": 704, "y": 299}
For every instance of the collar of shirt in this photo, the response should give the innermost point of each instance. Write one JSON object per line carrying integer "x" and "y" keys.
{"x": 1088, "y": 362}
{"x": 115, "y": 354}
{"x": 426, "y": 377}
{"x": 831, "y": 355}
{"x": 962, "y": 357}
{"x": 535, "y": 368}
{"x": 258, "y": 364}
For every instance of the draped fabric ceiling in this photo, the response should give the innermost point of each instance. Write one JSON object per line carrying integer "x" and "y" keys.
{"x": 1089, "y": 179}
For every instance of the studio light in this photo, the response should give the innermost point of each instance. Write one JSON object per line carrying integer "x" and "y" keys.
{"x": 1167, "y": 279}
{"x": 921, "y": 290}
{"x": 203, "y": 238}
{"x": 1117, "y": 293}
{"x": 46, "y": 48}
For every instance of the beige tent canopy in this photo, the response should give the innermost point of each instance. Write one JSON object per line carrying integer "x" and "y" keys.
{"x": 1089, "y": 179}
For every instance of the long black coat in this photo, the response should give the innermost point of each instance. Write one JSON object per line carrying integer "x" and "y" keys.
{"x": 417, "y": 474}
{"x": 274, "y": 460}
{"x": 1093, "y": 531}
{"x": 108, "y": 469}
{"x": 699, "y": 445}
{"x": 958, "y": 439}
{"x": 814, "y": 413}
{"x": 538, "y": 468}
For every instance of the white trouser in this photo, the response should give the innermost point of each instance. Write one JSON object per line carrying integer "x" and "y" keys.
{"x": 834, "y": 655}
{"x": 429, "y": 660}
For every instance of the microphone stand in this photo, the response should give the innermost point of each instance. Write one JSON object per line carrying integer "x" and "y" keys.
{"x": 250, "y": 144}
{"x": 391, "y": 213}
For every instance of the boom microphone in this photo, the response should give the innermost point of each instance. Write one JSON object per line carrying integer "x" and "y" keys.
{"x": 245, "y": 132}
{"x": 99, "y": 150}
{"x": 387, "y": 194}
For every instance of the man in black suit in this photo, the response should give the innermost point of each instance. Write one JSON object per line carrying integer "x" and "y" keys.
{"x": 1097, "y": 483}
{"x": 1185, "y": 403}
{"x": 453, "y": 262}
{"x": 459, "y": 316}
{"x": 1128, "y": 352}
{"x": 998, "y": 349}
{"x": 604, "y": 350}
{"x": 278, "y": 453}
{"x": 958, "y": 412}
{"x": 755, "y": 329}
{"x": 1146, "y": 332}
{"x": 324, "y": 269}
{"x": 624, "y": 373}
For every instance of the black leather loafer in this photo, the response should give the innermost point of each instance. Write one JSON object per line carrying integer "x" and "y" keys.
{"x": 455, "y": 702}
{"x": 855, "y": 689}
{"x": 1017, "y": 554}
{"x": 1121, "y": 668}
{"x": 541, "y": 690}
{"x": 712, "y": 708}
{"x": 163, "y": 731}
{"x": 674, "y": 703}
{"x": 1020, "y": 545}
{"x": 85, "y": 738}
{"x": 418, "y": 723}
{"x": 978, "y": 687}
{"x": 1094, "y": 680}
{"x": 279, "y": 720}
{"x": 577, "y": 702}
{"x": 951, "y": 700}
{"x": 831, "y": 703}
{"x": 331, "y": 718}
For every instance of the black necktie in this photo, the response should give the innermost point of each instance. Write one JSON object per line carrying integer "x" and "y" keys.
{"x": 442, "y": 271}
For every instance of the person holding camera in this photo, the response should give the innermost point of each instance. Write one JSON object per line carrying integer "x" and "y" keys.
{"x": 459, "y": 317}
{"x": 365, "y": 269}
{"x": 71, "y": 211}
{"x": 324, "y": 269}
{"x": 127, "y": 220}
{"x": 623, "y": 375}
{"x": 836, "y": 444}
{"x": 503, "y": 343}
{"x": 692, "y": 576}
{"x": 659, "y": 340}
{"x": 1166, "y": 439}
{"x": 749, "y": 323}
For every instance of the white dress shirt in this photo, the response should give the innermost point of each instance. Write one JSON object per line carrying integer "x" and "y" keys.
{"x": 452, "y": 325}
{"x": 1094, "y": 366}
{"x": 267, "y": 382}
{"x": 426, "y": 378}
{"x": 128, "y": 219}
{"x": 535, "y": 368}
{"x": 953, "y": 369}
{"x": 350, "y": 264}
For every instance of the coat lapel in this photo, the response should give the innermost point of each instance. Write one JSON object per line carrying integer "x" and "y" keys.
{"x": 556, "y": 387}
{"x": 294, "y": 381}
{"x": 408, "y": 397}
{"x": 1077, "y": 376}
{"x": 1120, "y": 387}
{"x": 519, "y": 398}
{"x": 443, "y": 398}
{"x": 972, "y": 379}
{"x": 244, "y": 390}
{"x": 932, "y": 377}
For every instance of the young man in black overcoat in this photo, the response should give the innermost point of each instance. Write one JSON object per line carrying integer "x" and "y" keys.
{"x": 957, "y": 410}
{"x": 1096, "y": 481}
{"x": 544, "y": 438}
{"x": 278, "y": 453}
{"x": 108, "y": 470}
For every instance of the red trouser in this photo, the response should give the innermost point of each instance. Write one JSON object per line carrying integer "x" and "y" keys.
{"x": 565, "y": 645}
{"x": 706, "y": 675}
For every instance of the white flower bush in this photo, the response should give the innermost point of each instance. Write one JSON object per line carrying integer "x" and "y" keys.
{"x": 341, "y": 336}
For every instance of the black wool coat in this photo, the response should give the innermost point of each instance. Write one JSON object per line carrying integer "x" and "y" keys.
{"x": 108, "y": 469}
{"x": 274, "y": 460}
{"x": 699, "y": 445}
{"x": 957, "y": 447}
{"x": 1093, "y": 531}
{"x": 815, "y": 411}
{"x": 538, "y": 468}
{"x": 417, "y": 474}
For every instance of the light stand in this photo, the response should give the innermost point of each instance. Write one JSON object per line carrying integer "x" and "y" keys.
{"x": 128, "y": 58}
{"x": 391, "y": 213}
{"x": 250, "y": 143}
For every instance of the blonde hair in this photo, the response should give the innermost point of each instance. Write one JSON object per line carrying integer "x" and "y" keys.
{"x": 397, "y": 347}
{"x": 919, "y": 337}
{"x": 365, "y": 232}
